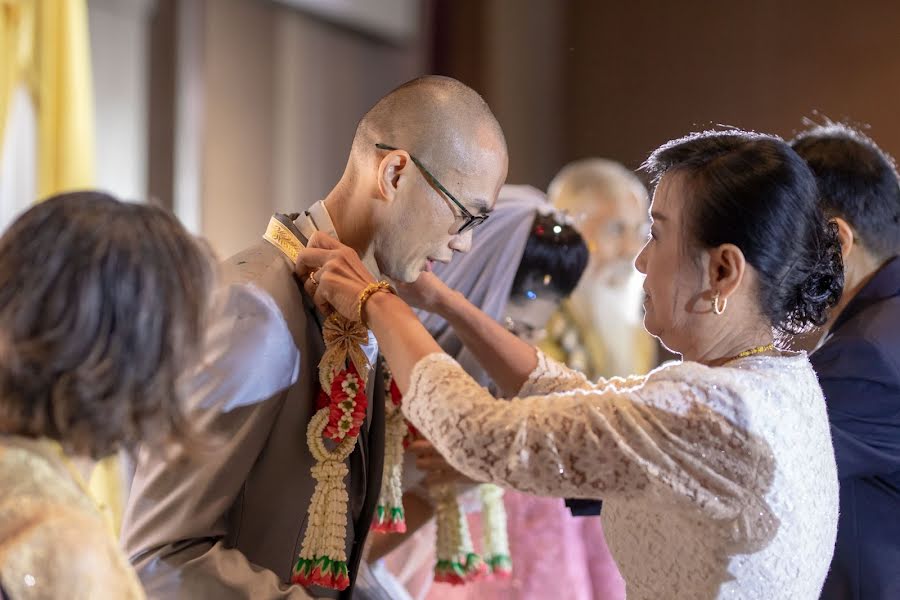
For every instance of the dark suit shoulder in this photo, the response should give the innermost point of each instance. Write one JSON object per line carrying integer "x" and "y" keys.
{"x": 879, "y": 324}
{"x": 867, "y": 346}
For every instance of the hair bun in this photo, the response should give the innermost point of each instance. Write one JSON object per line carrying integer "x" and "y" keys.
{"x": 818, "y": 285}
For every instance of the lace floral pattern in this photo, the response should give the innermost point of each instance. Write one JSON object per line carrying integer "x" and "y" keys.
{"x": 716, "y": 481}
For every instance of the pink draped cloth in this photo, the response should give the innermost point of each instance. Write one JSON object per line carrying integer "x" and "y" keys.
{"x": 553, "y": 553}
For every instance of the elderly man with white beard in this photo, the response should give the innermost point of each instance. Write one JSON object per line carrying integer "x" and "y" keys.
{"x": 598, "y": 330}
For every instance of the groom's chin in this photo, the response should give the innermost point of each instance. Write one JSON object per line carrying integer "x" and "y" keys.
{"x": 408, "y": 275}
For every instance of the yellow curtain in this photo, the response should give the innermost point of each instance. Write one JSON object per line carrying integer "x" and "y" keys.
{"x": 16, "y": 52}
{"x": 45, "y": 46}
{"x": 64, "y": 98}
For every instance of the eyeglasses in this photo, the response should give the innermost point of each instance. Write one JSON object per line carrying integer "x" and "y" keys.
{"x": 471, "y": 221}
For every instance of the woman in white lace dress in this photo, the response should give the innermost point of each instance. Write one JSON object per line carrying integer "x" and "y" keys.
{"x": 717, "y": 473}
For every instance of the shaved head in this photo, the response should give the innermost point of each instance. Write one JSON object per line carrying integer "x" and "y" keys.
{"x": 439, "y": 120}
{"x": 426, "y": 161}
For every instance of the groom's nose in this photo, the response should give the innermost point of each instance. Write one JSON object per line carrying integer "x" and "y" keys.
{"x": 461, "y": 242}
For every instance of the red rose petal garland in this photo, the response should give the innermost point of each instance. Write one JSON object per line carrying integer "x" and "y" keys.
{"x": 389, "y": 516}
{"x": 457, "y": 562}
{"x": 340, "y": 411}
{"x": 343, "y": 372}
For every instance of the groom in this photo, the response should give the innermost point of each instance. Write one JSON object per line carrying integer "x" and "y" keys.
{"x": 426, "y": 164}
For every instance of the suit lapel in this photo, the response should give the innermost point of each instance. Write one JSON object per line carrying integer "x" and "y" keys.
{"x": 373, "y": 441}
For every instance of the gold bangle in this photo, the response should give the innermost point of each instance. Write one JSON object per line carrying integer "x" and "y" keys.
{"x": 368, "y": 292}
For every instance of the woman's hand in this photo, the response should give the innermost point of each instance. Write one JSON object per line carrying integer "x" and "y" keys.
{"x": 436, "y": 468}
{"x": 333, "y": 275}
{"x": 427, "y": 292}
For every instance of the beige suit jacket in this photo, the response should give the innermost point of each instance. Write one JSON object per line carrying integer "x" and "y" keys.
{"x": 229, "y": 523}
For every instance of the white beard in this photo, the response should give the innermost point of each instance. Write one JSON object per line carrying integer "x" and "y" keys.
{"x": 614, "y": 311}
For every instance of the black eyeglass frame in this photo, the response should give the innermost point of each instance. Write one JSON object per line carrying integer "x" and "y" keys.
{"x": 471, "y": 221}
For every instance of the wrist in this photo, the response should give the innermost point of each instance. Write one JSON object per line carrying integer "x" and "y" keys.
{"x": 447, "y": 303}
{"x": 368, "y": 292}
{"x": 377, "y": 306}
{"x": 451, "y": 305}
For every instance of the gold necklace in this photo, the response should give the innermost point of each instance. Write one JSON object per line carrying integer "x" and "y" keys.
{"x": 750, "y": 352}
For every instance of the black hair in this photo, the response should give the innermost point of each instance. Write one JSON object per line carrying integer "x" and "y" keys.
{"x": 857, "y": 182}
{"x": 752, "y": 190}
{"x": 555, "y": 257}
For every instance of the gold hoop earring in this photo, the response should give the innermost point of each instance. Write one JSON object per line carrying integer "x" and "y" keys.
{"x": 715, "y": 302}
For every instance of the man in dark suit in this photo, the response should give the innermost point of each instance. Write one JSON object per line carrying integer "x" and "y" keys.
{"x": 858, "y": 360}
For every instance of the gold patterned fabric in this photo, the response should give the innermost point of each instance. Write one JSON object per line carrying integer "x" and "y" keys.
{"x": 344, "y": 339}
{"x": 573, "y": 341}
{"x": 54, "y": 543}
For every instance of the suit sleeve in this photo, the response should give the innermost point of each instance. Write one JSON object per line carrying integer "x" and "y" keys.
{"x": 859, "y": 383}
{"x": 175, "y": 522}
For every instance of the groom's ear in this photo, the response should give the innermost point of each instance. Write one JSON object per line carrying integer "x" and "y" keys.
{"x": 393, "y": 171}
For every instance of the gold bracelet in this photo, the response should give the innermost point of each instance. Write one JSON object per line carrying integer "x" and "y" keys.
{"x": 368, "y": 292}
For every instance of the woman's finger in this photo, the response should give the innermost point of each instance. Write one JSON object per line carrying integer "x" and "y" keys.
{"x": 319, "y": 295}
{"x": 423, "y": 456}
{"x": 310, "y": 259}
{"x": 430, "y": 463}
{"x": 323, "y": 241}
{"x": 421, "y": 447}
{"x": 309, "y": 286}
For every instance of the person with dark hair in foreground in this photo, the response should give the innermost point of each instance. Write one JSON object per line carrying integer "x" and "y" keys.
{"x": 717, "y": 474}
{"x": 102, "y": 303}
{"x": 858, "y": 363}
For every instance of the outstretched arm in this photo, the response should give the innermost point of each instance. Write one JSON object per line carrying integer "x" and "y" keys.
{"x": 507, "y": 359}
{"x": 340, "y": 279}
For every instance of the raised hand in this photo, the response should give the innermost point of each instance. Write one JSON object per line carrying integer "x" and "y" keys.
{"x": 333, "y": 275}
{"x": 427, "y": 292}
{"x": 436, "y": 468}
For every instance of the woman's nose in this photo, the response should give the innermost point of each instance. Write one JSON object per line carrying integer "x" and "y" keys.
{"x": 640, "y": 262}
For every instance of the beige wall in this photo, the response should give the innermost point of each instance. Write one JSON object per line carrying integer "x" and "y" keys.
{"x": 326, "y": 79}
{"x": 639, "y": 75}
{"x": 119, "y": 31}
{"x": 579, "y": 78}
{"x": 281, "y": 95}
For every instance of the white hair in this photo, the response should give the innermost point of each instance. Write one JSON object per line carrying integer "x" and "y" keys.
{"x": 608, "y": 177}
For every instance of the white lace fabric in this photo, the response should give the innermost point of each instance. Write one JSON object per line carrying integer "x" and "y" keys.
{"x": 717, "y": 482}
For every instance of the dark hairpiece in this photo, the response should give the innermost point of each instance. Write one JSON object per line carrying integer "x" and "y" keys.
{"x": 554, "y": 259}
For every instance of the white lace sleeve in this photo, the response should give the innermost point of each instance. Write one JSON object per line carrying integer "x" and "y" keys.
{"x": 664, "y": 440}
{"x": 550, "y": 376}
